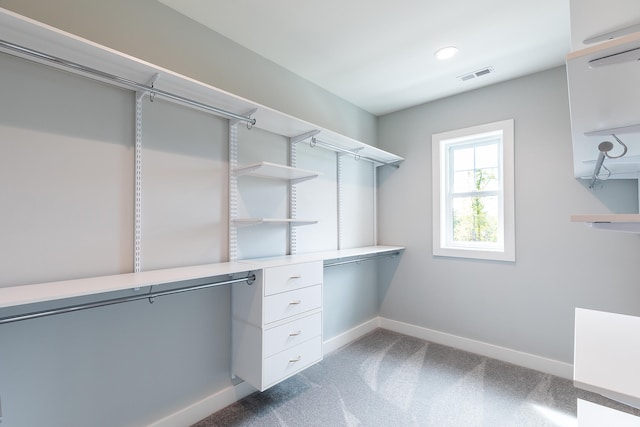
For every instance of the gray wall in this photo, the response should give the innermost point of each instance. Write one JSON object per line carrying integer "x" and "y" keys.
{"x": 527, "y": 305}
{"x": 151, "y": 31}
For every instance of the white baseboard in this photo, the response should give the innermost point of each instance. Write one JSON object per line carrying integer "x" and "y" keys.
{"x": 353, "y": 334}
{"x": 205, "y": 407}
{"x": 542, "y": 364}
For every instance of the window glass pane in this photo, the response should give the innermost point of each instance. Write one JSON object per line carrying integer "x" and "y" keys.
{"x": 486, "y": 180}
{"x": 463, "y": 181}
{"x": 462, "y": 158}
{"x": 486, "y": 156}
{"x": 475, "y": 219}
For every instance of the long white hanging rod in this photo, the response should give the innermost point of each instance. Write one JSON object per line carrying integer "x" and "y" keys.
{"x": 315, "y": 141}
{"x": 149, "y": 295}
{"x": 123, "y": 81}
{"x": 357, "y": 260}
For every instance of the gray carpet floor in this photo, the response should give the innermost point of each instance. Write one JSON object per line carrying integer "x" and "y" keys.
{"x": 388, "y": 379}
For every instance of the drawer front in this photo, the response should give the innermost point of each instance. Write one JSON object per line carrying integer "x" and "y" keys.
{"x": 294, "y": 276}
{"x": 291, "y": 334}
{"x": 287, "y": 304}
{"x": 291, "y": 361}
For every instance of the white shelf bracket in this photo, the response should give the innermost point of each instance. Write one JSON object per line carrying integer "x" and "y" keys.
{"x": 295, "y": 139}
{"x": 141, "y": 93}
{"x": 233, "y": 122}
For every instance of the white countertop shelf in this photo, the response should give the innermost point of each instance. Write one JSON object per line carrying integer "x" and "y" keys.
{"x": 629, "y": 223}
{"x": 275, "y": 171}
{"x": 51, "y": 291}
{"x": 326, "y": 256}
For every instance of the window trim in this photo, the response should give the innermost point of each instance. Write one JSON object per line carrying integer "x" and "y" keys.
{"x": 439, "y": 144}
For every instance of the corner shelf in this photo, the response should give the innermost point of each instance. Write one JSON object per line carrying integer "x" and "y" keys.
{"x": 275, "y": 171}
{"x": 629, "y": 223}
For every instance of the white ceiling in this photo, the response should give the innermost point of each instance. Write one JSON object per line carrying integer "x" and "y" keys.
{"x": 378, "y": 54}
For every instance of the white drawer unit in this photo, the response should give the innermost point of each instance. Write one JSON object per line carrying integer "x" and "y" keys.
{"x": 277, "y": 323}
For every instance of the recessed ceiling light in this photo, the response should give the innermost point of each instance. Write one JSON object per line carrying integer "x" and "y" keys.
{"x": 446, "y": 52}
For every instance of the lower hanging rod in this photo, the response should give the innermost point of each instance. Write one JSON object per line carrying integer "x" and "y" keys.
{"x": 123, "y": 81}
{"x": 149, "y": 295}
{"x": 352, "y": 261}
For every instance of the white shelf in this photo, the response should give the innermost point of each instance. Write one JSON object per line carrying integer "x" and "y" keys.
{"x": 256, "y": 221}
{"x": 51, "y": 291}
{"x": 275, "y": 171}
{"x": 52, "y": 41}
{"x": 629, "y": 223}
{"x": 326, "y": 256}
{"x": 29, "y": 294}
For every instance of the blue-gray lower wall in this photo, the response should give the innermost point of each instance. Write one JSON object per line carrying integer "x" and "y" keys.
{"x": 527, "y": 305}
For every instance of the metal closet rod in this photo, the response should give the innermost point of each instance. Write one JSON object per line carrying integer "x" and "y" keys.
{"x": 351, "y": 261}
{"x": 124, "y": 82}
{"x": 314, "y": 141}
{"x": 149, "y": 295}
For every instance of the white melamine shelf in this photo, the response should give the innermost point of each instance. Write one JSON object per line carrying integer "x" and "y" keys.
{"x": 256, "y": 221}
{"x": 274, "y": 171}
{"x": 29, "y": 294}
{"x": 51, "y": 41}
{"x": 326, "y": 256}
{"x": 629, "y": 223}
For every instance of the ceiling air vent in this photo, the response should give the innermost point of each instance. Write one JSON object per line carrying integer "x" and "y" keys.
{"x": 476, "y": 74}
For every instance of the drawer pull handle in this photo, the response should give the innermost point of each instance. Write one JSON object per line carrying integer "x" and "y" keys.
{"x": 295, "y": 334}
{"x": 296, "y": 276}
{"x": 295, "y": 302}
{"x": 297, "y": 359}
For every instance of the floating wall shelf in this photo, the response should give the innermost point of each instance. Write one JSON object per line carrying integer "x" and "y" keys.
{"x": 629, "y": 223}
{"x": 275, "y": 171}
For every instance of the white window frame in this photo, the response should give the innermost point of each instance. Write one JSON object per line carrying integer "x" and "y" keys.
{"x": 442, "y": 215}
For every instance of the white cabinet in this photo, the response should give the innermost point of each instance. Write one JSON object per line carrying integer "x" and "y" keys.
{"x": 277, "y": 323}
{"x": 606, "y": 355}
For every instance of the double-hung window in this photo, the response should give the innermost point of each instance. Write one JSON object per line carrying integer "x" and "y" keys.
{"x": 473, "y": 200}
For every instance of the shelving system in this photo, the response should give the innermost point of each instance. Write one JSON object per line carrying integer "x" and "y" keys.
{"x": 605, "y": 100}
{"x": 34, "y": 41}
{"x": 604, "y": 96}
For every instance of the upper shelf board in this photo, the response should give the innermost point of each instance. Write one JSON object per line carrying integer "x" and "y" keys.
{"x": 34, "y": 35}
{"x": 605, "y": 100}
{"x": 274, "y": 171}
{"x": 629, "y": 223}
